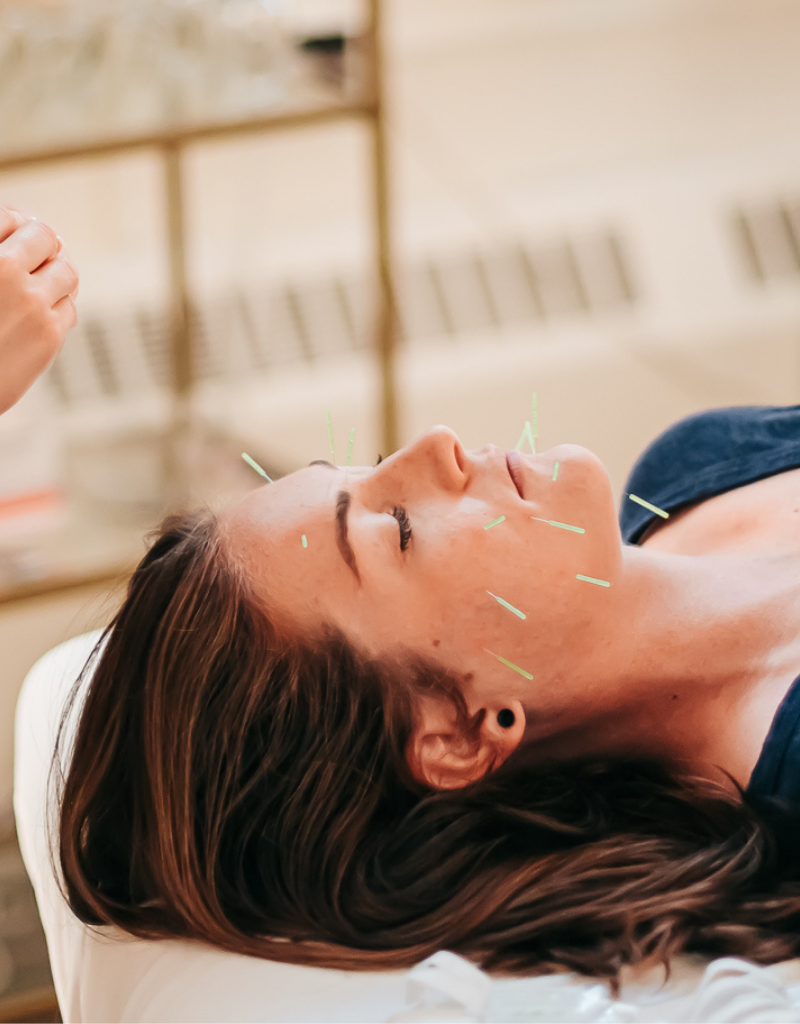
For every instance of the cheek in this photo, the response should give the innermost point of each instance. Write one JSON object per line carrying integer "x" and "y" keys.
{"x": 411, "y": 609}
{"x": 376, "y": 617}
{"x": 533, "y": 575}
{"x": 307, "y": 591}
{"x": 588, "y": 497}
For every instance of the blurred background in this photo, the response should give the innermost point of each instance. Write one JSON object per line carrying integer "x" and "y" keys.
{"x": 594, "y": 200}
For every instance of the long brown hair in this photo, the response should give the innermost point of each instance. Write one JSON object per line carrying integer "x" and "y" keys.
{"x": 230, "y": 785}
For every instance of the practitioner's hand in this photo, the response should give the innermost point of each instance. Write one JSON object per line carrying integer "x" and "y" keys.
{"x": 38, "y": 287}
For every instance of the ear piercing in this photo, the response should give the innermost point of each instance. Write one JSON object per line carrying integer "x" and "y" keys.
{"x": 505, "y": 718}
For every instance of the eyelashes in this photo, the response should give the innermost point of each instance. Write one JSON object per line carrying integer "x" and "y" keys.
{"x": 404, "y": 523}
{"x": 401, "y": 516}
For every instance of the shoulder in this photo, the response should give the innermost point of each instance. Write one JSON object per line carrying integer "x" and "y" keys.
{"x": 708, "y": 453}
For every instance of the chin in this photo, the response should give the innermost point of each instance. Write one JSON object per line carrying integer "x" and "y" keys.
{"x": 584, "y": 477}
{"x": 576, "y": 455}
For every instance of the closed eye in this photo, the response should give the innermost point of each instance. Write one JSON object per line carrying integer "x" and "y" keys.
{"x": 404, "y": 523}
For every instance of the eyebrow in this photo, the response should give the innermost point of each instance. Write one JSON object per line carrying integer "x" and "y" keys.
{"x": 342, "y": 541}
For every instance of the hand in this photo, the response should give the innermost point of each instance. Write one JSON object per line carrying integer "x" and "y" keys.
{"x": 38, "y": 287}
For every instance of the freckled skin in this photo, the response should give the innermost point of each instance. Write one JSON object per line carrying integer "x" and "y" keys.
{"x": 435, "y": 593}
{"x": 683, "y": 657}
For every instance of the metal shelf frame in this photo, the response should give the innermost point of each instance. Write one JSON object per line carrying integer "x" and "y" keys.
{"x": 171, "y": 143}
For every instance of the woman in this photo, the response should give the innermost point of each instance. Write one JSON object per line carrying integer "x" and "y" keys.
{"x": 370, "y": 713}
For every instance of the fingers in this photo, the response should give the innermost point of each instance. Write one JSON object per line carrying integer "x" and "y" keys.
{"x": 10, "y": 220}
{"x": 57, "y": 279}
{"x": 31, "y": 245}
{"x": 66, "y": 316}
{"x": 38, "y": 286}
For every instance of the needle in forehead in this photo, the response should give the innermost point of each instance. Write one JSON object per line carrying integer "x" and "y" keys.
{"x": 254, "y": 465}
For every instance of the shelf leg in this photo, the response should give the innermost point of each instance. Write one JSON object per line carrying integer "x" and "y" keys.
{"x": 386, "y": 319}
{"x": 177, "y": 483}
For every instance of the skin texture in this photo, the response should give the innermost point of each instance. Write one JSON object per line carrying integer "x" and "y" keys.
{"x": 38, "y": 287}
{"x": 682, "y": 657}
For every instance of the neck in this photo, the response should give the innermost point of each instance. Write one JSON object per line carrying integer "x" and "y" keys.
{"x": 686, "y": 661}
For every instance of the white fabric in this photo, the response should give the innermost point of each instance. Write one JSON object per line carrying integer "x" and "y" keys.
{"x": 447, "y": 988}
{"x": 103, "y": 975}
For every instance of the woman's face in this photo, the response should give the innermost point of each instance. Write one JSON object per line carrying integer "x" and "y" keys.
{"x": 404, "y": 555}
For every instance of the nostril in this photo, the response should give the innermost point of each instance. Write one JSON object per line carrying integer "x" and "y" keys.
{"x": 452, "y": 460}
{"x": 460, "y": 456}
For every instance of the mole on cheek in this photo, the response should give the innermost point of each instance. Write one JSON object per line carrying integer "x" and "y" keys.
{"x": 436, "y": 643}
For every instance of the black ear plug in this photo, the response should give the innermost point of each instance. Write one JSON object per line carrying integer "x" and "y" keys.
{"x": 505, "y": 718}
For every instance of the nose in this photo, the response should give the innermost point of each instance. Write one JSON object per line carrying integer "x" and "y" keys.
{"x": 437, "y": 454}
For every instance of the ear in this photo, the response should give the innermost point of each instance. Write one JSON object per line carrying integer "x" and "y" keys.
{"x": 445, "y": 753}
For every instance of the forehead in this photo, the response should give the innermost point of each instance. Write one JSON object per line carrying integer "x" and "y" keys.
{"x": 279, "y": 506}
{"x": 266, "y": 530}
{"x": 278, "y": 513}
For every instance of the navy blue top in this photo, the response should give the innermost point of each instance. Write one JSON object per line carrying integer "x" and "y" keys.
{"x": 707, "y": 454}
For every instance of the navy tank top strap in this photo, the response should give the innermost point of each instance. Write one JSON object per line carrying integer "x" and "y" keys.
{"x": 707, "y": 454}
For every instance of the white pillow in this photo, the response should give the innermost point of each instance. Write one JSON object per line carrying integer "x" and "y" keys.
{"x": 101, "y": 974}
{"x": 105, "y": 975}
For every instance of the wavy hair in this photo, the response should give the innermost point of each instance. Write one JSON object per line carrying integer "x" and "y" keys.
{"x": 249, "y": 790}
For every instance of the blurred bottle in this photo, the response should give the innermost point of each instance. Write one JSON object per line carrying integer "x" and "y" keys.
{"x": 32, "y": 497}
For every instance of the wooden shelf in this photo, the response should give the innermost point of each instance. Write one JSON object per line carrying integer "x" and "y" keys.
{"x": 91, "y": 552}
{"x": 38, "y": 1004}
{"x": 318, "y": 111}
{"x": 99, "y": 560}
{"x": 18, "y": 593}
{"x": 80, "y": 550}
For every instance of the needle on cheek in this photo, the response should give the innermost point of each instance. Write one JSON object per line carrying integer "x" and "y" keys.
{"x": 509, "y": 664}
{"x": 561, "y": 526}
{"x": 505, "y": 604}
{"x": 592, "y": 579}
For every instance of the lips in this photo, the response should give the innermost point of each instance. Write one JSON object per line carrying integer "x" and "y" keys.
{"x": 514, "y": 464}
